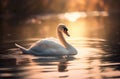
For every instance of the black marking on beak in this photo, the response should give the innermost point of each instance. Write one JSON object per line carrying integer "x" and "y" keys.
{"x": 65, "y": 29}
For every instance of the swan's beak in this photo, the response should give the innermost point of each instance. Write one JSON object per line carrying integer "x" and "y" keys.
{"x": 67, "y": 33}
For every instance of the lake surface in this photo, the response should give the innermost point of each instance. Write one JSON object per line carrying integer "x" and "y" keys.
{"x": 98, "y": 51}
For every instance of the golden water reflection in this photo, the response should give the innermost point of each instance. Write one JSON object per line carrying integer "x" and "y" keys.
{"x": 80, "y": 24}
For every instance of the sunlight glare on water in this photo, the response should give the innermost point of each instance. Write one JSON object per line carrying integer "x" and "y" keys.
{"x": 74, "y": 16}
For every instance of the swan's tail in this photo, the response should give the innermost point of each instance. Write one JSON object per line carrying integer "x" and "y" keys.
{"x": 24, "y": 50}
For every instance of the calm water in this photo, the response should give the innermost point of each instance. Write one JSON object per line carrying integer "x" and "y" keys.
{"x": 97, "y": 58}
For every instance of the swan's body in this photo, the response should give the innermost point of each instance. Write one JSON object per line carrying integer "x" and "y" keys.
{"x": 48, "y": 47}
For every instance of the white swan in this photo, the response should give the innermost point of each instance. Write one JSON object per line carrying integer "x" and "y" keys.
{"x": 48, "y": 47}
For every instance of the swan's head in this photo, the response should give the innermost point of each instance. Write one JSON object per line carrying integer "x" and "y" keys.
{"x": 63, "y": 28}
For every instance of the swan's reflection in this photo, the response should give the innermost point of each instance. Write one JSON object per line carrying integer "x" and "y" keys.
{"x": 62, "y": 66}
{"x": 61, "y": 62}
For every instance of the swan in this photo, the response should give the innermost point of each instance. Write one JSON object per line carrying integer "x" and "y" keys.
{"x": 50, "y": 47}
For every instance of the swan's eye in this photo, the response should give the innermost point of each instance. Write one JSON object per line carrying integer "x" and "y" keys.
{"x": 65, "y": 29}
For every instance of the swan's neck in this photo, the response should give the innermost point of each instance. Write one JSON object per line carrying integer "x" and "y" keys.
{"x": 69, "y": 47}
{"x": 62, "y": 39}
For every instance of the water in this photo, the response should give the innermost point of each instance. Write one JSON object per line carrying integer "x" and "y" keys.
{"x": 97, "y": 58}
{"x": 91, "y": 62}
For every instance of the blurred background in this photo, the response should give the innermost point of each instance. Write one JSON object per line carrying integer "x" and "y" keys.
{"x": 27, "y": 19}
{"x": 94, "y": 27}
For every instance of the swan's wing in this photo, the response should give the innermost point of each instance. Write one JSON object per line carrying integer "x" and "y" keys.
{"x": 48, "y": 47}
{"x": 45, "y": 41}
